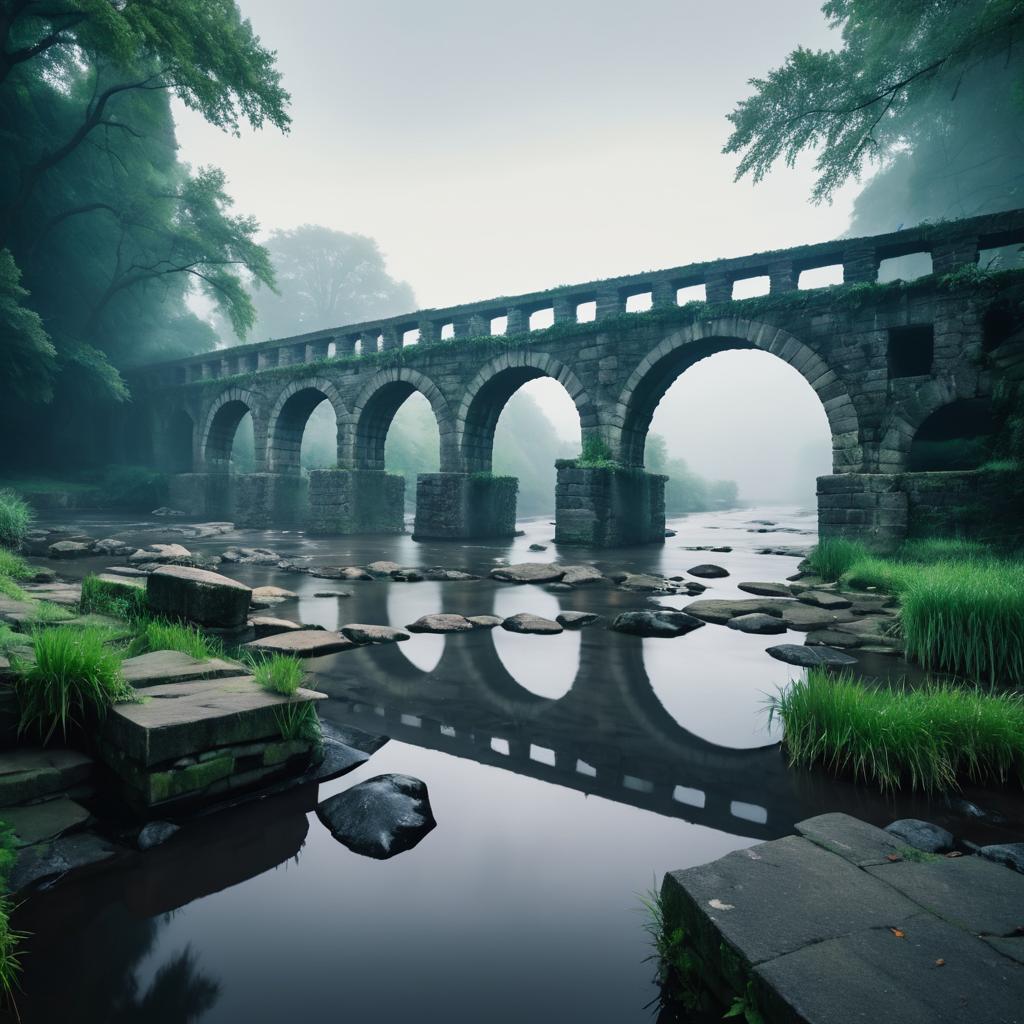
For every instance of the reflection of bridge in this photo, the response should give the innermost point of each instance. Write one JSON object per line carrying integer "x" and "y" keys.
{"x": 608, "y": 735}
{"x": 887, "y": 363}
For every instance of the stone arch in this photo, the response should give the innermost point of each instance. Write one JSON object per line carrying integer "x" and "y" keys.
{"x": 289, "y": 415}
{"x": 494, "y": 385}
{"x": 221, "y": 422}
{"x": 375, "y": 408}
{"x": 906, "y": 417}
{"x": 682, "y": 348}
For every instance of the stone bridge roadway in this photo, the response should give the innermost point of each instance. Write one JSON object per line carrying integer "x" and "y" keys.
{"x": 886, "y": 360}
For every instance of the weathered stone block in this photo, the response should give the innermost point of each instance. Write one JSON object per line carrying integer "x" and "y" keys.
{"x": 608, "y": 507}
{"x": 198, "y": 595}
{"x": 452, "y": 506}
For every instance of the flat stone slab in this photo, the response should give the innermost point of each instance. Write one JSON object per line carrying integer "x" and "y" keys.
{"x": 484, "y": 621}
{"x": 804, "y": 617}
{"x": 825, "y": 599}
{"x": 850, "y": 838}
{"x": 930, "y": 973}
{"x": 157, "y": 667}
{"x": 974, "y": 893}
{"x": 198, "y": 595}
{"x": 441, "y": 622}
{"x": 766, "y": 589}
{"x": 660, "y": 622}
{"x": 721, "y": 611}
{"x": 810, "y": 657}
{"x": 757, "y": 622}
{"x": 185, "y": 719}
{"x": 29, "y": 774}
{"x": 36, "y": 823}
{"x": 524, "y": 622}
{"x": 303, "y": 643}
{"x": 371, "y": 633}
{"x": 582, "y": 576}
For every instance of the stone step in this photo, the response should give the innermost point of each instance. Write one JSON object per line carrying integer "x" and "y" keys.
{"x": 30, "y": 774}
{"x": 38, "y": 823}
{"x": 157, "y": 667}
{"x": 303, "y": 643}
{"x": 188, "y": 719}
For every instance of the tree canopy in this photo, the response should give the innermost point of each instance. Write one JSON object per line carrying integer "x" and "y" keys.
{"x": 905, "y": 84}
{"x": 104, "y": 232}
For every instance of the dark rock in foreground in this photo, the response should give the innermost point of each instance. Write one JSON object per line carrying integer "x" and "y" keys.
{"x": 381, "y": 817}
{"x": 921, "y": 835}
{"x": 577, "y": 620}
{"x": 1010, "y": 854}
{"x": 664, "y": 622}
{"x": 810, "y": 657}
{"x": 708, "y": 572}
{"x": 198, "y": 595}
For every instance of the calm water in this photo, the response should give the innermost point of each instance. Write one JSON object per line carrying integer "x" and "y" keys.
{"x": 566, "y": 774}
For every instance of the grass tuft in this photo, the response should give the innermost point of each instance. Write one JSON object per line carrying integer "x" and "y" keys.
{"x": 299, "y": 721}
{"x": 16, "y": 518}
{"x": 74, "y": 679}
{"x": 121, "y": 600}
{"x": 160, "y": 635}
{"x": 932, "y": 737}
{"x": 833, "y": 556}
{"x": 278, "y": 673}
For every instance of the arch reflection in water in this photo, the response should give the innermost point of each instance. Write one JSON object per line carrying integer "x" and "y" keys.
{"x": 717, "y": 690}
{"x": 406, "y": 603}
{"x": 550, "y": 671}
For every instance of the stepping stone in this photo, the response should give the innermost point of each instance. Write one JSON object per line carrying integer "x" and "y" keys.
{"x": 582, "y": 576}
{"x": 720, "y": 612}
{"x": 305, "y": 643}
{"x": 529, "y": 572}
{"x": 160, "y": 553}
{"x": 921, "y": 835}
{"x": 441, "y": 622}
{"x": 198, "y": 595}
{"x": 577, "y": 620}
{"x": 266, "y": 597}
{"x": 708, "y": 572}
{"x": 805, "y": 617}
{"x": 757, "y": 622}
{"x": 368, "y": 633}
{"x": 766, "y": 589}
{"x": 644, "y": 583}
{"x": 484, "y": 621}
{"x": 266, "y": 625}
{"x": 70, "y": 549}
{"x": 665, "y": 622}
{"x": 383, "y": 568}
{"x": 850, "y": 838}
{"x": 1009, "y": 854}
{"x": 825, "y": 599}
{"x": 29, "y": 774}
{"x": 333, "y": 593}
{"x": 192, "y": 718}
{"x": 158, "y": 667}
{"x": 524, "y": 622}
{"x": 37, "y": 823}
{"x": 810, "y": 657}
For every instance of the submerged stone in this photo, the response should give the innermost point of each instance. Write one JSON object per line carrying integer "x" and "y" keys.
{"x": 381, "y": 817}
{"x": 156, "y": 833}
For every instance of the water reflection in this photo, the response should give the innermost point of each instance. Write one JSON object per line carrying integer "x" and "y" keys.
{"x": 404, "y": 605}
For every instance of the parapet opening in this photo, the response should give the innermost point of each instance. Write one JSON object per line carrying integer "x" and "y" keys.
{"x": 542, "y": 318}
{"x": 905, "y": 268}
{"x": 639, "y": 303}
{"x": 751, "y": 287}
{"x": 586, "y": 312}
{"x": 820, "y": 277}
{"x": 691, "y": 293}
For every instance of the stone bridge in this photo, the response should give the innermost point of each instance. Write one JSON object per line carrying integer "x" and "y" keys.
{"x": 891, "y": 363}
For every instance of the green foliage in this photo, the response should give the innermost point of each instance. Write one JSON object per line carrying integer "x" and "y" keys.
{"x": 16, "y": 518}
{"x": 29, "y": 355}
{"x": 595, "y": 454}
{"x": 10, "y": 957}
{"x": 928, "y": 550}
{"x": 12, "y": 568}
{"x": 932, "y": 737}
{"x": 897, "y": 67}
{"x": 46, "y": 613}
{"x": 160, "y": 635}
{"x": 121, "y": 600}
{"x": 298, "y": 720}
{"x": 74, "y": 679}
{"x": 133, "y": 487}
{"x": 962, "y": 609}
{"x": 833, "y": 556}
{"x": 278, "y": 673}
{"x": 679, "y": 969}
{"x": 685, "y": 490}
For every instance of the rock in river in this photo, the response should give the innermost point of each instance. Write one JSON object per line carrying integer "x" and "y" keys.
{"x": 766, "y": 589}
{"x": 381, "y": 817}
{"x": 810, "y": 657}
{"x": 922, "y": 835}
{"x": 524, "y": 622}
{"x": 663, "y": 622}
{"x": 757, "y": 622}
{"x": 366, "y": 633}
{"x": 825, "y": 599}
{"x": 198, "y": 595}
{"x": 529, "y": 572}
{"x": 156, "y": 833}
{"x": 441, "y": 622}
{"x": 708, "y": 572}
{"x": 577, "y": 620}
{"x": 484, "y": 621}
{"x": 1010, "y": 854}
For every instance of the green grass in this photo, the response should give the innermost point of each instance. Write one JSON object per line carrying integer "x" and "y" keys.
{"x": 75, "y": 677}
{"x": 10, "y": 940}
{"x": 833, "y": 556}
{"x": 160, "y": 635}
{"x": 121, "y": 600}
{"x": 279, "y": 673}
{"x": 46, "y": 612}
{"x": 16, "y": 518}
{"x": 931, "y": 738}
{"x": 12, "y": 569}
{"x": 299, "y": 721}
{"x": 9, "y": 638}
{"x": 943, "y": 549}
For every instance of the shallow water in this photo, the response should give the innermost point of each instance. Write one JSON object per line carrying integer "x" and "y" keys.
{"x": 566, "y": 774}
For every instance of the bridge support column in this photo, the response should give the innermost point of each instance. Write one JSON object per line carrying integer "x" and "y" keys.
{"x": 866, "y": 507}
{"x": 264, "y": 501}
{"x": 608, "y": 508}
{"x": 199, "y": 494}
{"x": 457, "y": 506}
{"x": 355, "y": 501}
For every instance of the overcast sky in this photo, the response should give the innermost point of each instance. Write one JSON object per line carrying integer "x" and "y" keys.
{"x": 499, "y": 148}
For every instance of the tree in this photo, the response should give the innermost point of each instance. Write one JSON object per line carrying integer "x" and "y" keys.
{"x": 326, "y": 278}
{"x": 903, "y": 85}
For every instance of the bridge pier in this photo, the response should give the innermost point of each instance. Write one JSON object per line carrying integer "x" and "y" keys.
{"x": 866, "y": 507}
{"x": 264, "y": 501}
{"x": 200, "y": 494}
{"x": 607, "y": 507}
{"x": 343, "y": 501}
{"x": 459, "y": 506}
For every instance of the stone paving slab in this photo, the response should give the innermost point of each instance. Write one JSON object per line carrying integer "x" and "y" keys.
{"x": 852, "y": 839}
{"x": 974, "y": 893}
{"x": 157, "y": 667}
{"x": 29, "y": 774}
{"x": 773, "y": 899}
{"x": 35, "y": 823}
{"x": 190, "y": 718}
{"x": 932, "y": 972}
{"x": 303, "y": 643}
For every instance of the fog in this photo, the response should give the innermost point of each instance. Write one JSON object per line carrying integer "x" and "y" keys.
{"x": 492, "y": 150}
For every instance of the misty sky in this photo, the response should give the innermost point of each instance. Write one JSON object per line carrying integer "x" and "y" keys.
{"x": 500, "y": 148}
